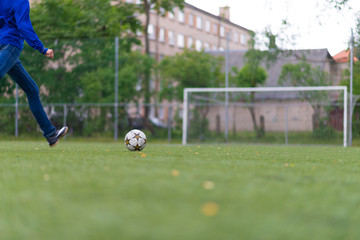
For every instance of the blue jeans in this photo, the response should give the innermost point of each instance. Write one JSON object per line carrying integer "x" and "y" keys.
{"x": 11, "y": 65}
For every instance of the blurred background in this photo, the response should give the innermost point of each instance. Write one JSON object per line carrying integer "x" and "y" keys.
{"x": 121, "y": 65}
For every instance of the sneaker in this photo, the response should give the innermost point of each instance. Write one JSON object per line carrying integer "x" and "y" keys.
{"x": 54, "y": 139}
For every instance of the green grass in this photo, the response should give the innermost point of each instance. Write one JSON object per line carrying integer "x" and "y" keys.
{"x": 88, "y": 190}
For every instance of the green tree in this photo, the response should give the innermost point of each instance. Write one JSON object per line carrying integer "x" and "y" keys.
{"x": 251, "y": 76}
{"x": 356, "y": 91}
{"x": 191, "y": 69}
{"x": 304, "y": 74}
{"x": 82, "y": 35}
{"x": 338, "y": 4}
{"x": 161, "y": 7}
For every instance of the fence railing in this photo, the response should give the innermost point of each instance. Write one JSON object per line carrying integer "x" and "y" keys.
{"x": 97, "y": 120}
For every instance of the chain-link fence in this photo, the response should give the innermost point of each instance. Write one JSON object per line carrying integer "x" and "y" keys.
{"x": 281, "y": 116}
{"x": 90, "y": 120}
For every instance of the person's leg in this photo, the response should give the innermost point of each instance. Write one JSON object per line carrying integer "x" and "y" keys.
{"x": 8, "y": 56}
{"x": 21, "y": 77}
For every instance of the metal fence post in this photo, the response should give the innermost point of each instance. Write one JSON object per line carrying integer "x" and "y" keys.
{"x": 17, "y": 111}
{"x": 286, "y": 125}
{"x": 169, "y": 123}
{"x": 65, "y": 114}
{"x": 116, "y": 88}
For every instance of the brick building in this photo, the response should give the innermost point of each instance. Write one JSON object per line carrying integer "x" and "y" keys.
{"x": 192, "y": 27}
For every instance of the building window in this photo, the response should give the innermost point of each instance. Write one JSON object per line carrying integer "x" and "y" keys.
{"x": 162, "y": 12}
{"x": 206, "y": 46}
{"x": 221, "y": 49}
{"x": 214, "y": 47}
{"x": 151, "y": 31}
{"x": 162, "y": 35}
{"x": 181, "y": 16}
{"x": 191, "y": 20}
{"x": 190, "y": 42}
{"x": 222, "y": 31}
{"x": 171, "y": 15}
{"x": 216, "y": 27}
{"x": 198, "y": 45}
{"x": 129, "y": 1}
{"x": 199, "y": 22}
{"x": 171, "y": 38}
{"x": 207, "y": 26}
{"x": 236, "y": 37}
{"x": 230, "y": 35}
{"x": 181, "y": 41}
{"x": 138, "y": 1}
{"x": 243, "y": 39}
{"x": 139, "y": 33}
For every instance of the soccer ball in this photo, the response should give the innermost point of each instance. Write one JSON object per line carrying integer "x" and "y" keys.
{"x": 135, "y": 140}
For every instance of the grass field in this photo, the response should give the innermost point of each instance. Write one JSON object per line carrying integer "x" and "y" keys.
{"x": 87, "y": 190}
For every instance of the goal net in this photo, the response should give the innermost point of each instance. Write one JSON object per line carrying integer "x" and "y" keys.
{"x": 276, "y": 115}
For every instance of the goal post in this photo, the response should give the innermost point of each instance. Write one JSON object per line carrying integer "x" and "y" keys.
{"x": 211, "y": 96}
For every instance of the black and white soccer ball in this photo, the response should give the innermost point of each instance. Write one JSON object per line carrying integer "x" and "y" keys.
{"x": 135, "y": 140}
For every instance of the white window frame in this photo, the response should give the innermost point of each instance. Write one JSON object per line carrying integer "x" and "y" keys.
{"x": 180, "y": 40}
{"x": 162, "y": 35}
{"x": 236, "y": 37}
{"x": 190, "y": 42}
{"x": 199, "y": 22}
{"x": 207, "y": 26}
{"x": 151, "y": 31}
{"x": 242, "y": 39}
{"x": 230, "y": 35}
{"x": 181, "y": 16}
{"x": 171, "y": 37}
{"x": 222, "y": 31}
{"x": 198, "y": 45}
{"x": 206, "y": 46}
{"x": 191, "y": 20}
{"x": 216, "y": 29}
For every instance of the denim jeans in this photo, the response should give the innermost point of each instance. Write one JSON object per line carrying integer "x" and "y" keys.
{"x": 11, "y": 65}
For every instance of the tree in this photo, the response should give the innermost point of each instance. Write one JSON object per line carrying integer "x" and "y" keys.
{"x": 356, "y": 92}
{"x": 303, "y": 74}
{"x": 338, "y": 4}
{"x": 161, "y": 7}
{"x": 251, "y": 76}
{"x": 191, "y": 69}
{"x": 82, "y": 35}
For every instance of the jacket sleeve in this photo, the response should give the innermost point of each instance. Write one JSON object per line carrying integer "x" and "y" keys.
{"x": 22, "y": 17}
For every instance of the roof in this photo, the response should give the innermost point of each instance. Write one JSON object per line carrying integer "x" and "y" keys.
{"x": 343, "y": 56}
{"x": 317, "y": 57}
{"x": 216, "y": 17}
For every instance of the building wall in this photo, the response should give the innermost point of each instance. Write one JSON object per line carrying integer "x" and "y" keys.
{"x": 295, "y": 114}
{"x": 192, "y": 28}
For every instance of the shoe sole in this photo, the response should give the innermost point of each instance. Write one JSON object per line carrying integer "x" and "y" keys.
{"x": 66, "y": 130}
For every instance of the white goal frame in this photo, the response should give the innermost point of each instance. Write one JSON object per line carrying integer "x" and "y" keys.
{"x": 261, "y": 89}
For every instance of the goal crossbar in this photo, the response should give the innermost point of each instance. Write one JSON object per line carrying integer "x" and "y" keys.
{"x": 262, "y": 89}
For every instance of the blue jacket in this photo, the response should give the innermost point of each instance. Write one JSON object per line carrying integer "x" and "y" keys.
{"x": 15, "y": 25}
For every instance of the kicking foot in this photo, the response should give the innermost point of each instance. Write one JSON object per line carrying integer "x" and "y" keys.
{"x": 54, "y": 139}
